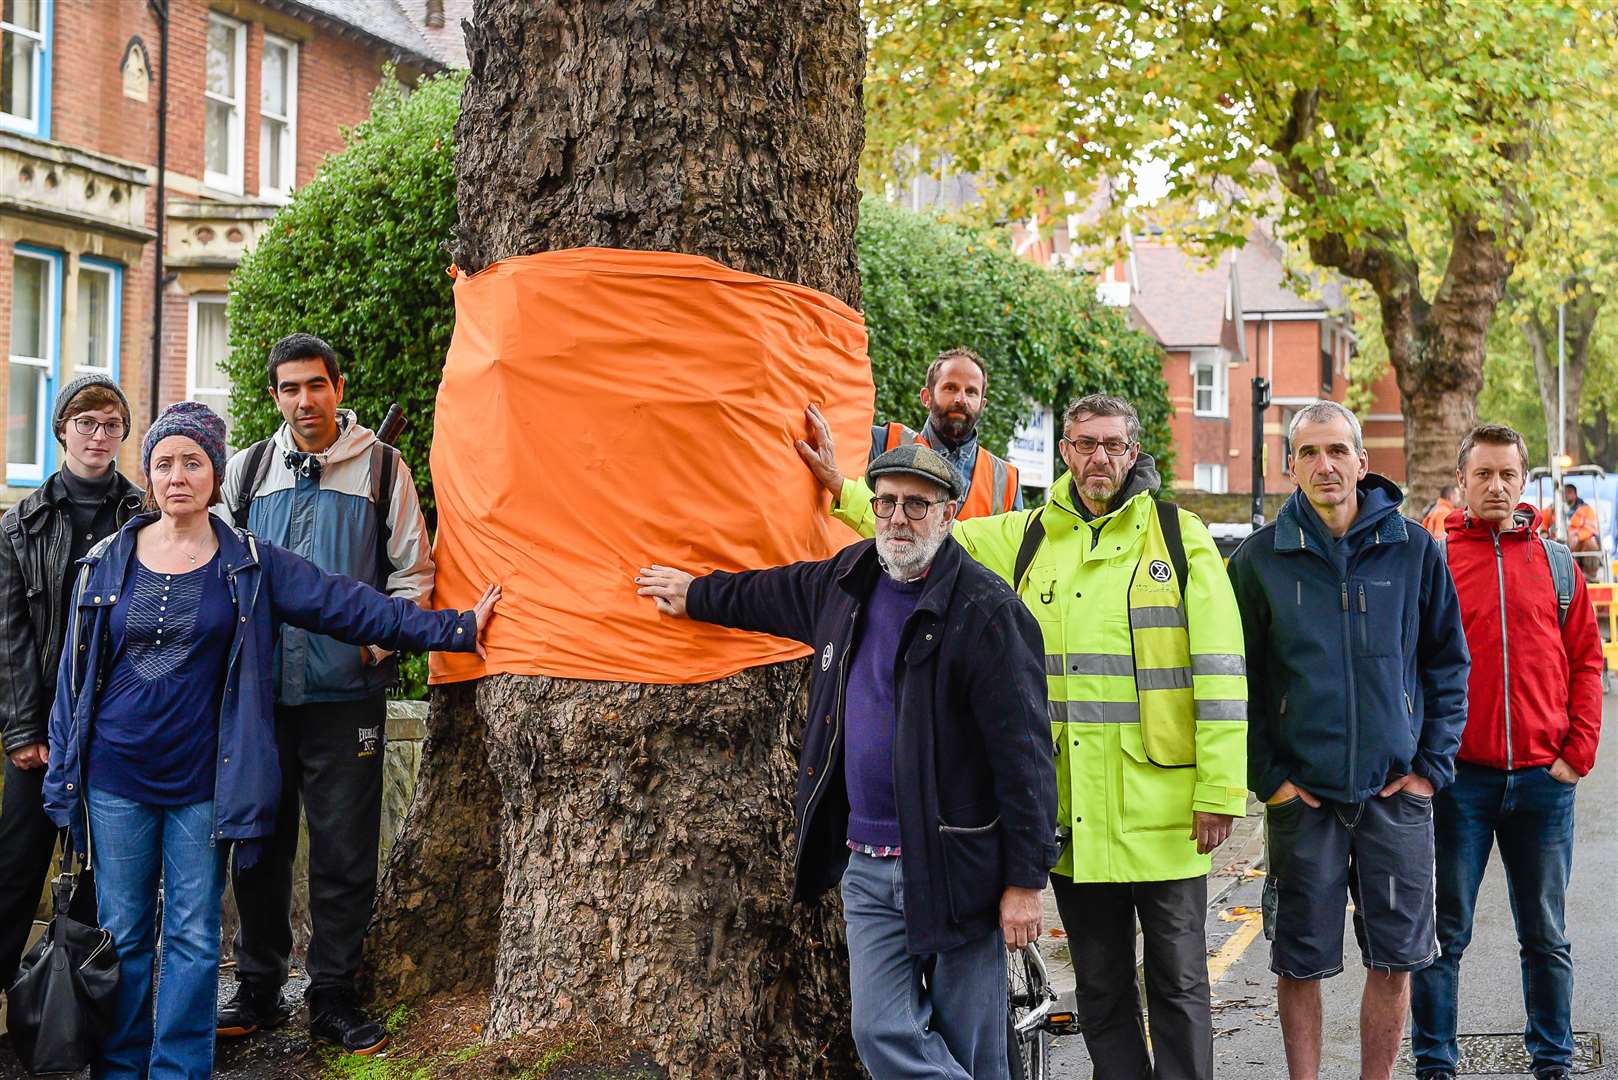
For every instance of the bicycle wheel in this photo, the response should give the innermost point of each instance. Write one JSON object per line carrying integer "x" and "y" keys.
{"x": 1029, "y": 1053}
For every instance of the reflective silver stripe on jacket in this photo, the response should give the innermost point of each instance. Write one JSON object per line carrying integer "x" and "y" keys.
{"x": 1094, "y": 712}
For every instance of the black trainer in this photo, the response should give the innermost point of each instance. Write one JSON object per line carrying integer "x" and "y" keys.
{"x": 335, "y": 1017}
{"x": 252, "y": 1009}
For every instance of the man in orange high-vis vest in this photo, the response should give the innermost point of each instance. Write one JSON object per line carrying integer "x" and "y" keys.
{"x": 954, "y": 398}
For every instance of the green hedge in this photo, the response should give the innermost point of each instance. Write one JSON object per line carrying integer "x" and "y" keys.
{"x": 358, "y": 257}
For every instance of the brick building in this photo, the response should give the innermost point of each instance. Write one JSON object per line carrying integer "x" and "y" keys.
{"x": 1222, "y": 324}
{"x": 258, "y": 94}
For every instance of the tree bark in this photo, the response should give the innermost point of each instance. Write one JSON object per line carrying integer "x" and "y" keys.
{"x": 645, "y": 831}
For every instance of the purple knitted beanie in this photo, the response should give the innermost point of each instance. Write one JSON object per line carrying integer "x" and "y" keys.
{"x": 196, "y": 422}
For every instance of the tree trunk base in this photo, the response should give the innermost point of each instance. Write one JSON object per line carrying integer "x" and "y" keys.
{"x": 647, "y": 846}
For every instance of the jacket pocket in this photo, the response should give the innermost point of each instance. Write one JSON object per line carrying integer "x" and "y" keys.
{"x": 974, "y": 868}
{"x": 1154, "y": 798}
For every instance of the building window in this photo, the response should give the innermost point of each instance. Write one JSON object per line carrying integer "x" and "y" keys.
{"x": 1328, "y": 346}
{"x": 1210, "y": 383}
{"x": 1210, "y": 478}
{"x": 25, "y": 66}
{"x": 36, "y": 286}
{"x": 222, "y": 140}
{"x": 278, "y": 118}
{"x": 99, "y": 317}
{"x": 207, "y": 349}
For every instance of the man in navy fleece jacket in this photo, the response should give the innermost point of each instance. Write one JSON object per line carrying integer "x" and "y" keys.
{"x": 927, "y": 780}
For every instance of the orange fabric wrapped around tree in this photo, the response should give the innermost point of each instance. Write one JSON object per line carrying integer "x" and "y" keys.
{"x": 601, "y": 409}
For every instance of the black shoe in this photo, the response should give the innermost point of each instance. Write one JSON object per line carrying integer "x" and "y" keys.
{"x": 1557, "y": 1073}
{"x": 252, "y": 1009}
{"x": 336, "y": 1017}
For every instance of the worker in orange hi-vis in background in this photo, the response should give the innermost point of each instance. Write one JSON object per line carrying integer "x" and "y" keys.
{"x": 1442, "y": 508}
{"x": 1583, "y": 530}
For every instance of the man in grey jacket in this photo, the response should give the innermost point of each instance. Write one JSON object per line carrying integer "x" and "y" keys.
{"x": 326, "y": 488}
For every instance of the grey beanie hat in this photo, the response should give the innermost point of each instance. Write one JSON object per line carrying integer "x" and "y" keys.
{"x": 914, "y": 459}
{"x": 72, "y": 390}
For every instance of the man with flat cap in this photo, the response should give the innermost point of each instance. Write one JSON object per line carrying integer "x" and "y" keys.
{"x": 927, "y": 785}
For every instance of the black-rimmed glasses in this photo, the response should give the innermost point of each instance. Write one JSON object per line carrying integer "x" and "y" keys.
{"x": 89, "y": 425}
{"x": 915, "y": 506}
{"x": 1086, "y": 446}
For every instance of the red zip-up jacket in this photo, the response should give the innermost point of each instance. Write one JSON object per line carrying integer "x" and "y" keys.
{"x": 1535, "y": 690}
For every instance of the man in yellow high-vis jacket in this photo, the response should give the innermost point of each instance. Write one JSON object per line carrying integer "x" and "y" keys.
{"x": 1148, "y": 700}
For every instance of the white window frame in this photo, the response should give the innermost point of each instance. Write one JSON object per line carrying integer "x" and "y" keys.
{"x": 192, "y": 389}
{"x": 289, "y": 136}
{"x": 114, "y": 274}
{"x": 1213, "y": 361}
{"x": 39, "y": 125}
{"x": 230, "y": 181}
{"x": 1212, "y": 478}
{"x": 23, "y": 473}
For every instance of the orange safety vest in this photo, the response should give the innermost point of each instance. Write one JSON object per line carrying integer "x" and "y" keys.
{"x": 995, "y": 497}
{"x": 1583, "y": 525}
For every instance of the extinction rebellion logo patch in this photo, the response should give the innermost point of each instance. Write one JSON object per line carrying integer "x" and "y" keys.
{"x": 825, "y": 658}
{"x": 1159, "y": 570}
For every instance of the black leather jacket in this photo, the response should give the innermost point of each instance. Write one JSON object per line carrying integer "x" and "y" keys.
{"x": 34, "y": 546}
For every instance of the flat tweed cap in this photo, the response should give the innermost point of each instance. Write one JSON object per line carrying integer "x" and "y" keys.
{"x": 916, "y": 460}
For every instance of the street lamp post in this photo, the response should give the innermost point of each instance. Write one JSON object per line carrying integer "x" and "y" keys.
{"x": 1561, "y": 425}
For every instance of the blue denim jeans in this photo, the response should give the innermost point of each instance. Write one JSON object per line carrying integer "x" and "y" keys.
{"x": 938, "y": 1017}
{"x": 135, "y": 846}
{"x": 1530, "y": 813}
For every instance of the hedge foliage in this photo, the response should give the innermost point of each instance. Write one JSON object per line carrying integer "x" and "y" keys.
{"x": 358, "y": 257}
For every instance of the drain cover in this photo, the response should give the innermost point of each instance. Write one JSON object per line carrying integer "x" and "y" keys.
{"x": 1503, "y": 1053}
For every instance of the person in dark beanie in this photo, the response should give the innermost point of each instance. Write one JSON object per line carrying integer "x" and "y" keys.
{"x": 41, "y": 538}
{"x": 163, "y": 760}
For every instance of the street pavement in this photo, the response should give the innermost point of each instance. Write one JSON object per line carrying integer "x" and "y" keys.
{"x": 1247, "y": 1034}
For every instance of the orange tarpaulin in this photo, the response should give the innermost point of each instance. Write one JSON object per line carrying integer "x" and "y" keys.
{"x": 603, "y": 409}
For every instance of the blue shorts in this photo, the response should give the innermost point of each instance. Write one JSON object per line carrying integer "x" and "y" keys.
{"x": 1380, "y": 852}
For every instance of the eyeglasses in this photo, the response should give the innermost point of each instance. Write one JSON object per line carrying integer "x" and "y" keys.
{"x": 1086, "y": 446}
{"x": 915, "y": 506}
{"x": 88, "y": 425}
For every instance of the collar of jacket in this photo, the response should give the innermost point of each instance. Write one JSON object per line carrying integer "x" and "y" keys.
{"x": 1461, "y": 525}
{"x": 1290, "y": 535}
{"x": 52, "y": 495}
{"x": 858, "y": 576}
{"x": 109, "y": 560}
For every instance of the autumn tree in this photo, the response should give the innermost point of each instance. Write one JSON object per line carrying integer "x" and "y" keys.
{"x": 620, "y": 854}
{"x": 1408, "y": 146}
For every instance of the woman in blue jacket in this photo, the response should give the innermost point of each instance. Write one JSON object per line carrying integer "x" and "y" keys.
{"x": 162, "y": 736}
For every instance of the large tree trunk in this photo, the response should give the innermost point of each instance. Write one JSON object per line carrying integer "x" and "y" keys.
{"x": 645, "y": 831}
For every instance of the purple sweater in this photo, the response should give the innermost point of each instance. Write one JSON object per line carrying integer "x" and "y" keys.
{"x": 868, "y": 715}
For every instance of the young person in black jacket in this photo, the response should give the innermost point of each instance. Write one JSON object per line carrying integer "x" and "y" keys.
{"x": 928, "y": 781}
{"x": 41, "y": 540}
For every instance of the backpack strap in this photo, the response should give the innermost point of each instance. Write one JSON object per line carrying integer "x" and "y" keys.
{"x": 254, "y": 470}
{"x": 384, "y": 464}
{"x": 1168, "y": 520}
{"x": 1033, "y": 535}
{"x": 1562, "y": 571}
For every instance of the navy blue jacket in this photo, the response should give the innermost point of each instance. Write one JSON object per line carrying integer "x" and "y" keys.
{"x": 974, "y": 769}
{"x": 268, "y": 586}
{"x": 1356, "y": 661}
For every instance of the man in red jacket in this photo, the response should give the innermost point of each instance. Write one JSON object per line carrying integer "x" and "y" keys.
{"x": 1533, "y": 720}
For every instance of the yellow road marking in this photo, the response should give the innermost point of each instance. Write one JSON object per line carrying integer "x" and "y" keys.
{"x": 1232, "y": 949}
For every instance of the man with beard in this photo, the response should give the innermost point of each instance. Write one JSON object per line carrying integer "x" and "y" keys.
{"x": 954, "y": 399}
{"x": 926, "y": 785}
{"x": 1148, "y": 708}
